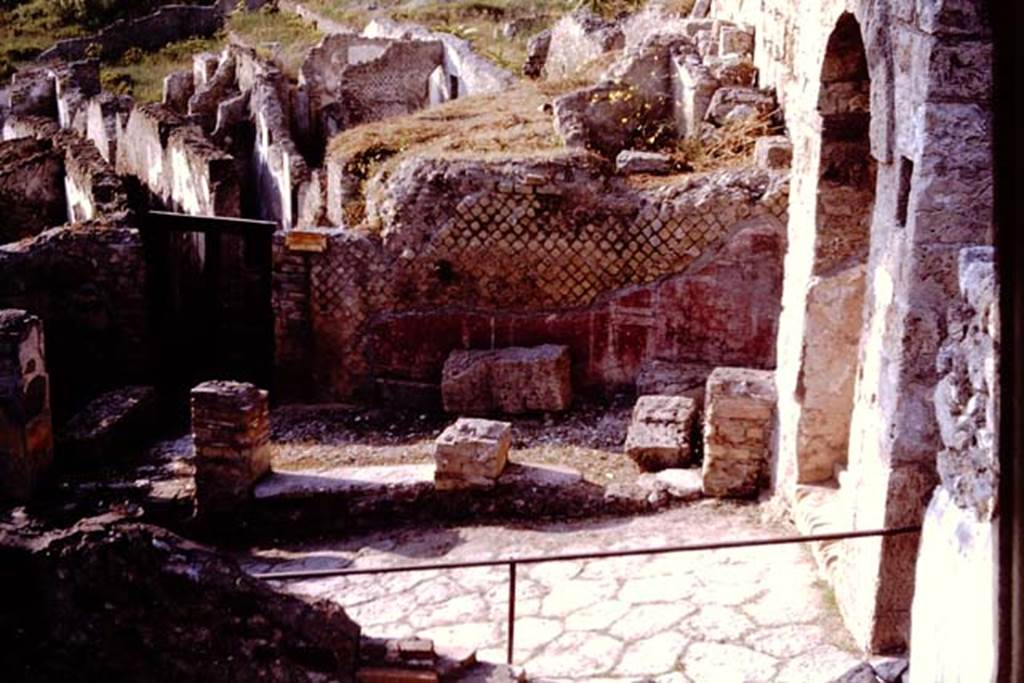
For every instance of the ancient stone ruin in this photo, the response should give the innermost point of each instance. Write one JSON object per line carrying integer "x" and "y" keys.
{"x": 705, "y": 275}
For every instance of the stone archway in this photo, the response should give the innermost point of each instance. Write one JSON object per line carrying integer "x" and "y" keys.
{"x": 835, "y": 293}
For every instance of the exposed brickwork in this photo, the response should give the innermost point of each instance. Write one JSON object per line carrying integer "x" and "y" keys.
{"x": 231, "y": 432}
{"x": 738, "y": 422}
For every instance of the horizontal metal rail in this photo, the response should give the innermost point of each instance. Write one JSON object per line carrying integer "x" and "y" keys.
{"x": 513, "y": 562}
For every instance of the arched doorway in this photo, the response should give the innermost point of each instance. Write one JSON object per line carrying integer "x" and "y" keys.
{"x": 835, "y": 292}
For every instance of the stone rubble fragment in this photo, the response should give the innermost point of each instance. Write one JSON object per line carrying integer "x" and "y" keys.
{"x": 659, "y": 435}
{"x": 471, "y": 453}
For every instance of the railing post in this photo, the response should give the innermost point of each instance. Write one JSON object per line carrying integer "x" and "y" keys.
{"x": 511, "y": 609}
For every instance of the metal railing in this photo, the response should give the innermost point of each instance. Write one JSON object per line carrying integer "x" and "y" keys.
{"x": 513, "y": 562}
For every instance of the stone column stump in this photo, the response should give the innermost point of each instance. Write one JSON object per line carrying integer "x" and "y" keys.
{"x": 231, "y": 430}
{"x": 472, "y": 453}
{"x": 26, "y": 430}
{"x": 738, "y": 423}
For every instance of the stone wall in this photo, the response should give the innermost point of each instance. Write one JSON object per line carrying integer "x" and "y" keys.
{"x": 929, "y": 138}
{"x": 954, "y": 632}
{"x": 622, "y": 273}
{"x": 168, "y": 24}
{"x": 89, "y": 186}
{"x": 474, "y": 74}
{"x": 578, "y": 38}
{"x": 31, "y": 188}
{"x": 177, "y": 164}
{"x": 87, "y": 284}
{"x": 351, "y": 79}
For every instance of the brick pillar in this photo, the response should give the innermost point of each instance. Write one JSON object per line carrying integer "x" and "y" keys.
{"x": 231, "y": 430}
{"x": 26, "y": 431}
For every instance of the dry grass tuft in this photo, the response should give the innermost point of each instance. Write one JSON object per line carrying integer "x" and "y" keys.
{"x": 730, "y": 146}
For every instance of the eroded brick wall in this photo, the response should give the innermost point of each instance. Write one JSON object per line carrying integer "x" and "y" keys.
{"x": 87, "y": 284}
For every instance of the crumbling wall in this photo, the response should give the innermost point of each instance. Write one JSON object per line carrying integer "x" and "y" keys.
{"x": 90, "y": 186}
{"x": 577, "y": 38}
{"x": 473, "y": 74}
{"x": 623, "y": 274}
{"x": 87, "y": 284}
{"x": 177, "y": 164}
{"x": 350, "y": 79}
{"x": 929, "y": 136}
{"x": 168, "y": 24}
{"x": 954, "y": 632}
{"x": 31, "y": 188}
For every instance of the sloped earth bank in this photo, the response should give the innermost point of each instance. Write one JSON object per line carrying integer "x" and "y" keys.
{"x": 754, "y": 614}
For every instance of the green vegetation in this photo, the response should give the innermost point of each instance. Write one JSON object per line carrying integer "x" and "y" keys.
{"x": 27, "y": 27}
{"x": 282, "y": 37}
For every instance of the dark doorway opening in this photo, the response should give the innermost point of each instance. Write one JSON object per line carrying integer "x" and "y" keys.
{"x": 209, "y": 289}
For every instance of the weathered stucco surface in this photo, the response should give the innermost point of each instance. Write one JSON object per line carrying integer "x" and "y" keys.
{"x": 929, "y": 136}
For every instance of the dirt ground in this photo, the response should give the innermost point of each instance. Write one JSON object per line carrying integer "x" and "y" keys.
{"x": 588, "y": 438}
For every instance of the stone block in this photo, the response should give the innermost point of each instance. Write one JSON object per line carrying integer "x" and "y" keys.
{"x": 26, "y": 431}
{"x": 675, "y": 379}
{"x": 738, "y": 423}
{"x": 733, "y": 40}
{"x": 737, "y": 103}
{"x": 109, "y": 426}
{"x": 659, "y": 435}
{"x": 773, "y": 151}
{"x": 732, "y": 70}
{"x": 179, "y": 86}
{"x": 471, "y": 453}
{"x": 634, "y": 161}
{"x": 231, "y": 431}
{"x": 512, "y": 380}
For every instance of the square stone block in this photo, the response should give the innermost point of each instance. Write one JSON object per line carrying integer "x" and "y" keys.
{"x": 471, "y": 453}
{"x": 659, "y": 435}
{"x": 738, "y": 423}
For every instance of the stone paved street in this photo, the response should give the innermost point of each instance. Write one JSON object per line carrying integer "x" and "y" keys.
{"x": 754, "y": 614}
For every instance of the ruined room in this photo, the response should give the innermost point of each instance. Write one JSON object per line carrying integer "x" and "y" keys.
{"x": 507, "y": 340}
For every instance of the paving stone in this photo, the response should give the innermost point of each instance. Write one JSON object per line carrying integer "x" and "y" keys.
{"x": 823, "y": 663}
{"x": 644, "y": 621}
{"x": 787, "y": 641}
{"x": 652, "y": 656}
{"x": 717, "y": 623}
{"x": 724, "y": 663}
{"x": 533, "y": 632}
{"x": 572, "y": 653}
{"x": 596, "y": 617}
{"x": 654, "y": 590}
